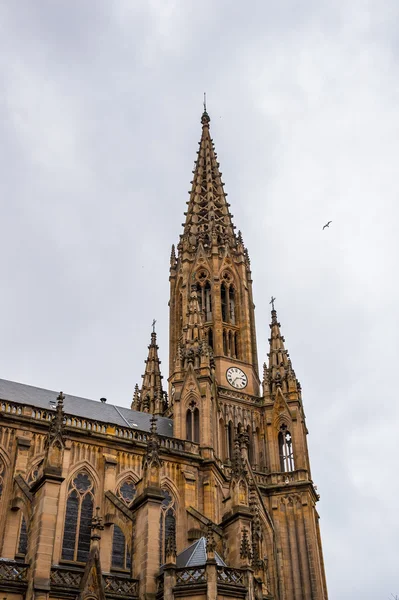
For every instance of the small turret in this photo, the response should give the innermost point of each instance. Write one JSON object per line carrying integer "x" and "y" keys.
{"x": 151, "y": 398}
{"x": 279, "y": 373}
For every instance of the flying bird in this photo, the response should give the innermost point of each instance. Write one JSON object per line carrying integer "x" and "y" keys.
{"x": 327, "y": 225}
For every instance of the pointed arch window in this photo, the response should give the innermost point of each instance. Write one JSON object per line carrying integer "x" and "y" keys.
{"x": 250, "y": 446}
{"x": 200, "y": 297}
{"x": 236, "y": 344}
{"x": 208, "y": 302}
{"x": 167, "y": 524}
{"x": 230, "y": 440}
{"x": 121, "y": 555}
{"x": 286, "y": 450}
{"x": 2, "y": 476}
{"x": 22, "y": 539}
{"x": 192, "y": 424}
{"x": 232, "y": 305}
{"x": 224, "y": 299}
{"x": 210, "y": 338}
{"x": 78, "y": 516}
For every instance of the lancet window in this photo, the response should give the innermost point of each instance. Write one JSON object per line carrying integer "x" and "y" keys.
{"x": 204, "y": 295}
{"x": 2, "y": 476}
{"x": 286, "y": 449}
{"x": 230, "y": 440}
{"x": 228, "y": 299}
{"x": 22, "y": 539}
{"x": 121, "y": 555}
{"x": 192, "y": 424}
{"x": 210, "y": 338}
{"x": 78, "y": 516}
{"x": 224, "y": 299}
{"x": 167, "y": 524}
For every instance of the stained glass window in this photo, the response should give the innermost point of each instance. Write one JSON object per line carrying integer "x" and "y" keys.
{"x": 127, "y": 491}
{"x": 23, "y": 538}
{"x": 78, "y": 516}
{"x": 121, "y": 557}
{"x": 167, "y": 523}
{"x": 2, "y": 474}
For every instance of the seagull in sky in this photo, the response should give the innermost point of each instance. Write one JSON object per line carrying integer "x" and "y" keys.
{"x": 327, "y": 225}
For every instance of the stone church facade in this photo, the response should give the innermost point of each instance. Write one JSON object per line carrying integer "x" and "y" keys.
{"x": 200, "y": 491}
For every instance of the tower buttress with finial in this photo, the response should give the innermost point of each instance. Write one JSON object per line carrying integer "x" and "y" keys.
{"x": 151, "y": 397}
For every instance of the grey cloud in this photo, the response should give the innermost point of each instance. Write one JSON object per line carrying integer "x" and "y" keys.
{"x": 99, "y": 119}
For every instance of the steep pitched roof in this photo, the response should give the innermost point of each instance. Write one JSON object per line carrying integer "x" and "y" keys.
{"x": 82, "y": 407}
{"x": 195, "y": 555}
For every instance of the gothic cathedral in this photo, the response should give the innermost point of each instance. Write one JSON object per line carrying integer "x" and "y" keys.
{"x": 202, "y": 491}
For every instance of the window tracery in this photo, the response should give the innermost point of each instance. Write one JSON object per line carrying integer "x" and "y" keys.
{"x": 78, "y": 516}
{"x": 286, "y": 449}
{"x": 167, "y": 523}
{"x": 127, "y": 491}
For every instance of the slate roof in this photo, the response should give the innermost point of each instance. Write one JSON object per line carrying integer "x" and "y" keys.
{"x": 195, "y": 555}
{"x": 82, "y": 407}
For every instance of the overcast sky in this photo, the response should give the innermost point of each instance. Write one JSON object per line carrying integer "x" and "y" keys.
{"x": 100, "y": 105}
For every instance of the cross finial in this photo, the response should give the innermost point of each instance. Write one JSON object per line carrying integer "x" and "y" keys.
{"x": 204, "y": 101}
{"x": 272, "y": 302}
{"x": 153, "y": 325}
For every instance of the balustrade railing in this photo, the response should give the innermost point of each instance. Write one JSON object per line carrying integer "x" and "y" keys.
{"x": 230, "y": 576}
{"x": 121, "y": 586}
{"x": 126, "y": 433}
{"x": 11, "y": 408}
{"x": 189, "y": 575}
{"x": 281, "y": 478}
{"x": 13, "y": 572}
{"x": 114, "y": 585}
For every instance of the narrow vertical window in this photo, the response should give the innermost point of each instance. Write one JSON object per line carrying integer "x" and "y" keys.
{"x": 167, "y": 523}
{"x": 286, "y": 450}
{"x": 223, "y": 295}
{"x": 196, "y": 426}
{"x": 78, "y": 516}
{"x": 224, "y": 342}
{"x": 236, "y": 345}
{"x": 23, "y": 539}
{"x": 210, "y": 338}
{"x": 250, "y": 446}
{"x": 232, "y": 305}
{"x": 199, "y": 290}
{"x": 2, "y": 475}
{"x": 189, "y": 427}
{"x": 230, "y": 344}
{"x": 230, "y": 440}
{"x": 208, "y": 302}
{"x": 121, "y": 557}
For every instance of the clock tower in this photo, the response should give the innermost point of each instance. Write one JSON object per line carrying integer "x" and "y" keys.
{"x": 212, "y": 320}
{"x": 250, "y": 436}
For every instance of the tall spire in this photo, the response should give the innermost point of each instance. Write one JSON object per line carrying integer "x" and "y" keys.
{"x": 208, "y": 217}
{"x": 152, "y": 396}
{"x": 279, "y": 373}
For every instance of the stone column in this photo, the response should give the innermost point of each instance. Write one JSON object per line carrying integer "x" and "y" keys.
{"x": 146, "y": 510}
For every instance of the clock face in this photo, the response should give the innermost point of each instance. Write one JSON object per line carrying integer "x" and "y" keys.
{"x": 236, "y": 378}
